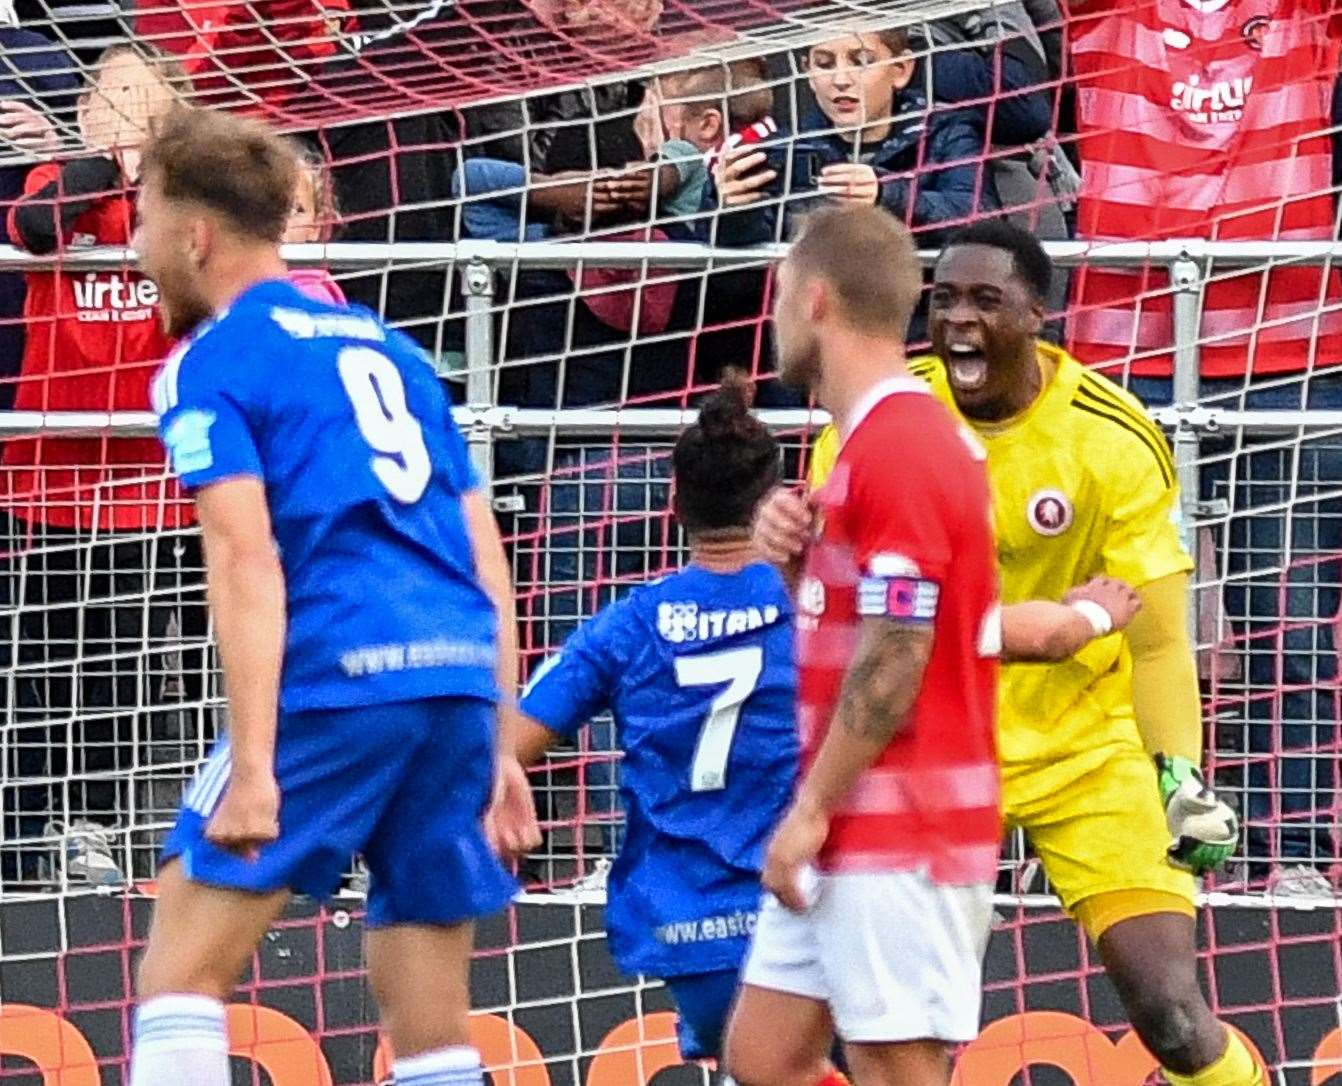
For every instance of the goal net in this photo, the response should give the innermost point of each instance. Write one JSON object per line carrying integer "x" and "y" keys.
{"x": 517, "y": 184}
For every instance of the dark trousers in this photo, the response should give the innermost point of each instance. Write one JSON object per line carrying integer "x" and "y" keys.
{"x": 104, "y": 646}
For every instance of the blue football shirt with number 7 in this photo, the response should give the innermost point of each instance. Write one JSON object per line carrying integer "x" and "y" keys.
{"x": 697, "y": 670}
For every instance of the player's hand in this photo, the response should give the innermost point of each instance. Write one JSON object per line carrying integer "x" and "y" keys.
{"x": 1204, "y": 828}
{"x": 741, "y": 175}
{"x": 788, "y": 863}
{"x": 1117, "y": 597}
{"x": 510, "y": 823}
{"x": 782, "y": 528}
{"x": 248, "y": 816}
{"x": 852, "y": 182}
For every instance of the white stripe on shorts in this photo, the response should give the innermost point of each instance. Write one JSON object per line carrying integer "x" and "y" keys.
{"x": 211, "y": 781}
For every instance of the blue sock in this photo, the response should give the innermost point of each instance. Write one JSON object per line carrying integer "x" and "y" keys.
{"x": 458, "y": 1065}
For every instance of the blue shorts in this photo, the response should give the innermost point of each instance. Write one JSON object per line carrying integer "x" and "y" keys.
{"x": 703, "y": 1001}
{"x": 403, "y": 783}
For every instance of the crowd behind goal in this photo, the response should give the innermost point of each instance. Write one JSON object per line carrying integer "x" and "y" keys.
{"x": 625, "y": 121}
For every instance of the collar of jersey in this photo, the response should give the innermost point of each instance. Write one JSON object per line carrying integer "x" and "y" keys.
{"x": 266, "y": 290}
{"x": 1047, "y": 355}
{"x": 891, "y": 386}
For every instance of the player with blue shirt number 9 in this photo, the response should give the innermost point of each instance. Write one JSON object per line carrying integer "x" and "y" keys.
{"x": 364, "y": 620}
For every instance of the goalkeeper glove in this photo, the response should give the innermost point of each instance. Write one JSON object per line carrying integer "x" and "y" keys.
{"x": 1205, "y": 829}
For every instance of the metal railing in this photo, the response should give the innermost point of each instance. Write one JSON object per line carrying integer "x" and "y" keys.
{"x": 1189, "y": 263}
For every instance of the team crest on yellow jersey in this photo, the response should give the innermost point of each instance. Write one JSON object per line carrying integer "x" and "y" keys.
{"x": 1049, "y": 512}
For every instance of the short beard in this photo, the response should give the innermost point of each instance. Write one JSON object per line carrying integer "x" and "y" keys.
{"x": 183, "y": 317}
{"x": 801, "y": 369}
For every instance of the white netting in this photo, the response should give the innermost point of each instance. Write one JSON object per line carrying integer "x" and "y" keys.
{"x": 516, "y": 122}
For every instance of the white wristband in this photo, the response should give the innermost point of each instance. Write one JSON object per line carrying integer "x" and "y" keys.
{"x": 1101, "y": 621}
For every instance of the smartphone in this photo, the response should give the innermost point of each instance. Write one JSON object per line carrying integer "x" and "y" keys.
{"x": 807, "y": 166}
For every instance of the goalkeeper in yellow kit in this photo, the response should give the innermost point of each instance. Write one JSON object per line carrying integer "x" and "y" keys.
{"x": 1083, "y": 485}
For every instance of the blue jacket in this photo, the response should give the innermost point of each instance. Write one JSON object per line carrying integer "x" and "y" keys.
{"x": 932, "y": 165}
{"x": 1011, "y": 76}
{"x": 42, "y": 75}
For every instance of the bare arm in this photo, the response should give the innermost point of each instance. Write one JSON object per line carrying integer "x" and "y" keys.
{"x": 1041, "y": 631}
{"x": 247, "y": 598}
{"x": 878, "y": 692}
{"x": 879, "y": 689}
{"x": 531, "y": 739}
{"x": 491, "y": 567}
{"x": 511, "y": 820}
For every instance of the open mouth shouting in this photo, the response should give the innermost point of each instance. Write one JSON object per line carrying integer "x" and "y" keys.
{"x": 966, "y": 367}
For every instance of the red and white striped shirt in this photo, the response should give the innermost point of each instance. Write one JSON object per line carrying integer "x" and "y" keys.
{"x": 1208, "y": 119}
{"x": 905, "y": 533}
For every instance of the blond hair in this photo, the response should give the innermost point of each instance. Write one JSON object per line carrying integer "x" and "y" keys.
{"x": 869, "y": 258}
{"x": 325, "y": 205}
{"x": 236, "y": 167}
{"x": 744, "y": 84}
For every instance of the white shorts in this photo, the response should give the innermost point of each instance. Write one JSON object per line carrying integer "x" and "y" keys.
{"x": 894, "y": 955}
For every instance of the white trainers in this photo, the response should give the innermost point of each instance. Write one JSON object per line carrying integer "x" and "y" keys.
{"x": 1299, "y": 881}
{"x": 83, "y": 855}
{"x": 594, "y": 882}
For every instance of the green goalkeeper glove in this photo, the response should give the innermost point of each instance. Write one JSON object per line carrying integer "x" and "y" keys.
{"x": 1205, "y": 830}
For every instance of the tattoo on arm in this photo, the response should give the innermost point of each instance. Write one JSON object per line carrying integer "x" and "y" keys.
{"x": 884, "y": 678}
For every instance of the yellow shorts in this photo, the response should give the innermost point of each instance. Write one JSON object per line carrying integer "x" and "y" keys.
{"x": 1096, "y": 822}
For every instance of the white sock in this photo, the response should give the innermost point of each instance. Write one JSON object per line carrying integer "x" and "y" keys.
{"x": 455, "y": 1066}
{"x": 180, "y": 1040}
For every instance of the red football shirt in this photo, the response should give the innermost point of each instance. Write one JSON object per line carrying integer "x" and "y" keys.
{"x": 1207, "y": 121}
{"x": 905, "y": 533}
{"x": 238, "y": 53}
{"x": 94, "y": 343}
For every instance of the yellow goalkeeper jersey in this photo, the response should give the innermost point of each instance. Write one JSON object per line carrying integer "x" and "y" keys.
{"x": 1083, "y": 484}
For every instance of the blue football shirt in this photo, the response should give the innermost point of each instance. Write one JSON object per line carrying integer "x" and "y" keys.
{"x": 344, "y": 421}
{"x": 697, "y": 671}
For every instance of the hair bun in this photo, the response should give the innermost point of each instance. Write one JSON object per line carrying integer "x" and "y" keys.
{"x": 726, "y": 412}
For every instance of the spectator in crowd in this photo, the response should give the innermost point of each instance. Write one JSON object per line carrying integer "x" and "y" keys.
{"x": 38, "y": 86}
{"x": 875, "y": 139}
{"x": 393, "y": 176}
{"x": 247, "y": 55}
{"x": 552, "y": 132}
{"x": 689, "y": 118}
{"x": 998, "y": 56}
{"x": 94, "y": 522}
{"x": 391, "y": 179}
{"x": 683, "y": 119}
{"x": 1212, "y": 121}
{"x": 313, "y": 220}
{"x": 504, "y": 45}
